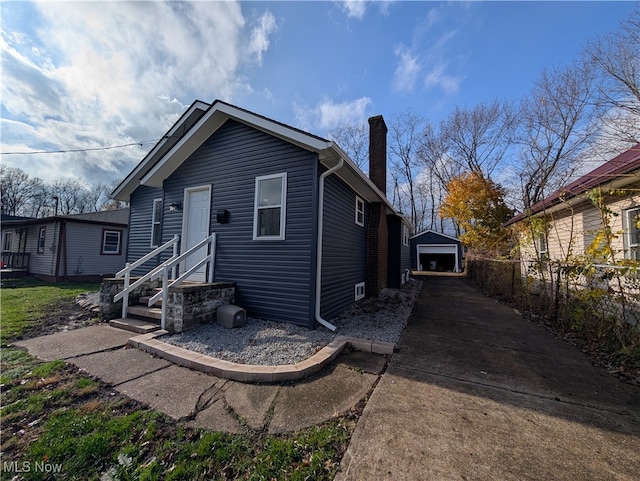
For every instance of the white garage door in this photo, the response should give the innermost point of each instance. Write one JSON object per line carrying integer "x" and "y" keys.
{"x": 438, "y": 249}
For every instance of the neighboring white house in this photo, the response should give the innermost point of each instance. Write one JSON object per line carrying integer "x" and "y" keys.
{"x": 572, "y": 221}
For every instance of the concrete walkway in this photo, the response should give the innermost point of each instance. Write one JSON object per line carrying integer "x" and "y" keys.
{"x": 476, "y": 392}
{"x": 206, "y": 401}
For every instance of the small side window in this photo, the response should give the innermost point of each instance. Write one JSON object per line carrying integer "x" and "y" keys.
{"x": 156, "y": 220}
{"x": 359, "y": 211}
{"x": 541, "y": 246}
{"x": 269, "y": 216}
{"x": 6, "y": 242}
{"x": 42, "y": 238}
{"x": 405, "y": 235}
{"x": 111, "y": 242}
{"x": 359, "y": 291}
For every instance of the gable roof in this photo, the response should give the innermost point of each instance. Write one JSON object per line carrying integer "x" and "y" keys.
{"x": 154, "y": 169}
{"x": 615, "y": 173}
{"x": 195, "y": 111}
{"x": 439, "y": 234}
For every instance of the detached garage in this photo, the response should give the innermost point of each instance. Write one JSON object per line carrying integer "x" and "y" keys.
{"x": 432, "y": 251}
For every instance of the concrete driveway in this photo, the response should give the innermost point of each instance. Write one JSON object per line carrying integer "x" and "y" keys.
{"x": 476, "y": 392}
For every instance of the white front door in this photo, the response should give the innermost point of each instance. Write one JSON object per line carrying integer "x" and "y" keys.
{"x": 195, "y": 227}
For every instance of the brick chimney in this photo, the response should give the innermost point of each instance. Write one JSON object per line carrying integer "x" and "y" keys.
{"x": 377, "y": 236}
{"x": 378, "y": 152}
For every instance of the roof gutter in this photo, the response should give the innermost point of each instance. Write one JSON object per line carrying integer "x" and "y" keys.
{"x": 323, "y": 176}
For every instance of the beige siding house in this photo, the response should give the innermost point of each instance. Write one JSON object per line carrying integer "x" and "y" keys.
{"x": 567, "y": 224}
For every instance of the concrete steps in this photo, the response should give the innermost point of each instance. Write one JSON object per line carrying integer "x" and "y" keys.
{"x": 139, "y": 326}
{"x": 145, "y": 312}
{"x": 141, "y": 318}
{"x": 144, "y": 300}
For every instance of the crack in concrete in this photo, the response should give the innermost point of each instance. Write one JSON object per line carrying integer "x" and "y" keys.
{"x": 141, "y": 376}
{"x": 108, "y": 349}
{"x": 516, "y": 391}
{"x": 210, "y": 395}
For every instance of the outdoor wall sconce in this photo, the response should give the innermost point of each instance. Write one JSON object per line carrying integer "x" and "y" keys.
{"x": 175, "y": 207}
{"x": 222, "y": 216}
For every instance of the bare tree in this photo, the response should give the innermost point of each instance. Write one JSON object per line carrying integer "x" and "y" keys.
{"x": 18, "y": 190}
{"x": 617, "y": 58}
{"x": 405, "y": 137}
{"x": 355, "y": 142}
{"x": 555, "y": 126}
{"x": 478, "y": 138}
{"x": 71, "y": 196}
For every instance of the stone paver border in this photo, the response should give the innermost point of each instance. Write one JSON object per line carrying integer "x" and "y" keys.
{"x": 151, "y": 343}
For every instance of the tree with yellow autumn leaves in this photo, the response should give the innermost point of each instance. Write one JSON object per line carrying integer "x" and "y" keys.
{"x": 476, "y": 205}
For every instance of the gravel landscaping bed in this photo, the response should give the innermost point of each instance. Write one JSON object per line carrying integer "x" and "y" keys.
{"x": 276, "y": 343}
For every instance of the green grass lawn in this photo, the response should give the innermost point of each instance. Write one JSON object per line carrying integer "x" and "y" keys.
{"x": 60, "y": 424}
{"x": 25, "y": 302}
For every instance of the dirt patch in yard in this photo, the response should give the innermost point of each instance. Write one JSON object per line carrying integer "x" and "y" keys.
{"x": 64, "y": 316}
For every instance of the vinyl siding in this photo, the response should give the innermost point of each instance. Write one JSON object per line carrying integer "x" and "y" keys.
{"x": 399, "y": 254}
{"x": 84, "y": 247}
{"x": 571, "y": 231}
{"x": 45, "y": 263}
{"x": 274, "y": 278}
{"x": 344, "y": 258}
{"x": 139, "y": 233}
{"x": 405, "y": 254}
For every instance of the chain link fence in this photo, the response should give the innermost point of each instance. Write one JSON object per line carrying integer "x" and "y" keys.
{"x": 599, "y": 303}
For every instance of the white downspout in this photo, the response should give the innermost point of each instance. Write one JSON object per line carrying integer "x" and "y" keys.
{"x": 319, "y": 318}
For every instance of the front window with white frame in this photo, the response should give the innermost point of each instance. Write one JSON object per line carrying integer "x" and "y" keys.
{"x": 541, "y": 246}
{"x": 42, "y": 238}
{"x": 632, "y": 233}
{"x": 359, "y": 291}
{"x": 359, "y": 211}
{"x": 111, "y": 242}
{"x": 270, "y": 208}
{"x": 405, "y": 235}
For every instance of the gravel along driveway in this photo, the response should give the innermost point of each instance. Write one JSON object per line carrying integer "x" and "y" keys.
{"x": 276, "y": 343}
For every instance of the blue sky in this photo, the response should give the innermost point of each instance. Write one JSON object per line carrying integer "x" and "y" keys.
{"x": 92, "y": 74}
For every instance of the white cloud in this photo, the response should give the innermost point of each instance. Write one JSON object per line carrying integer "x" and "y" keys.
{"x": 353, "y": 8}
{"x": 260, "y": 35}
{"x": 329, "y": 114}
{"x": 438, "y": 77}
{"x": 98, "y": 74}
{"x": 407, "y": 71}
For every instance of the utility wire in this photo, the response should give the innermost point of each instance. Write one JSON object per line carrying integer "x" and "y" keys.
{"x": 141, "y": 144}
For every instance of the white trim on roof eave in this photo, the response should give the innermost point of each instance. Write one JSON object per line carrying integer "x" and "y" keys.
{"x": 211, "y": 121}
{"x": 124, "y": 190}
{"x": 437, "y": 233}
{"x": 615, "y": 183}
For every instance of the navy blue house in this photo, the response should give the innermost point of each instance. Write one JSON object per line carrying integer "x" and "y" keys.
{"x": 300, "y": 230}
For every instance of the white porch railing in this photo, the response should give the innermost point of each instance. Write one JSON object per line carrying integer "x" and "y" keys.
{"x": 167, "y": 271}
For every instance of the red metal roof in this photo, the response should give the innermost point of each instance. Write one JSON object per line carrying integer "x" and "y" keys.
{"x": 625, "y": 163}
